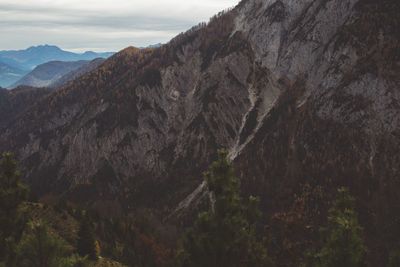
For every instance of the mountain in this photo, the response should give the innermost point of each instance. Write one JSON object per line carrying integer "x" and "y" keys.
{"x": 17, "y": 101}
{"x": 9, "y": 74}
{"x": 14, "y": 64}
{"x": 303, "y": 94}
{"x": 31, "y": 57}
{"x": 152, "y": 46}
{"x": 48, "y": 73}
{"x": 74, "y": 74}
{"x": 55, "y": 74}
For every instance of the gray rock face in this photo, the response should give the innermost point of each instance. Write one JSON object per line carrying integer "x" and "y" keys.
{"x": 336, "y": 121}
{"x": 141, "y": 129}
{"x": 298, "y": 92}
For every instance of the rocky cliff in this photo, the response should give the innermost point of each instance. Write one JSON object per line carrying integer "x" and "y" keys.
{"x": 304, "y": 95}
{"x": 336, "y": 121}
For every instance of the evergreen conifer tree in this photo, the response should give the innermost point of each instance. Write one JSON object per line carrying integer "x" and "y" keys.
{"x": 225, "y": 235}
{"x": 12, "y": 220}
{"x": 343, "y": 245}
{"x": 39, "y": 248}
{"x": 86, "y": 240}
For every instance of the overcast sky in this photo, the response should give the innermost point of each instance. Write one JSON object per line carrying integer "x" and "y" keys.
{"x": 100, "y": 25}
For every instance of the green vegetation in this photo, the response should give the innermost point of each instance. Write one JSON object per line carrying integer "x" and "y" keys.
{"x": 20, "y": 245}
{"x": 225, "y": 235}
{"x": 40, "y": 248}
{"x": 343, "y": 244}
{"x": 12, "y": 219}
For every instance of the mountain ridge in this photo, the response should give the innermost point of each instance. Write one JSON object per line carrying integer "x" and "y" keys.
{"x": 288, "y": 87}
{"x": 72, "y": 75}
{"x": 55, "y": 74}
{"x": 8, "y": 74}
{"x": 26, "y": 60}
{"x": 47, "y": 73}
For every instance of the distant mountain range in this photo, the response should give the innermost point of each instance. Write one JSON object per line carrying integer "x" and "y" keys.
{"x": 9, "y": 74}
{"x": 14, "y": 64}
{"x": 76, "y": 73}
{"x": 47, "y": 73}
{"x": 57, "y": 73}
{"x": 29, "y": 58}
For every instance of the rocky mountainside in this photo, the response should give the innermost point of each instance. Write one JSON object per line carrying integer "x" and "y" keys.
{"x": 49, "y": 73}
{"x": 304, "y": 95}
{"x": 17, "y": 101}
{"x": 336, "y": 121}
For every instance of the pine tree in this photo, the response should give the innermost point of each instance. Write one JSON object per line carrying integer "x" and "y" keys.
{"x": 12, "y": 219}
{"x": 225, "y": 235}
{"x": 39, "y": 248}
{"x": 86, "y": 241}
{"x": 343, "y": 244}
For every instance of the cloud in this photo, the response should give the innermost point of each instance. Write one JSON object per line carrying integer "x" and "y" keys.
{"x": 100, "y": 25}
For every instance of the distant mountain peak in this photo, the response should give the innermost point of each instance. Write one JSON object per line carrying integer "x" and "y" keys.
{"x": 44, "y": 47}
{"x": 89, "y": 53}
{"x": 24, "y": 61}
